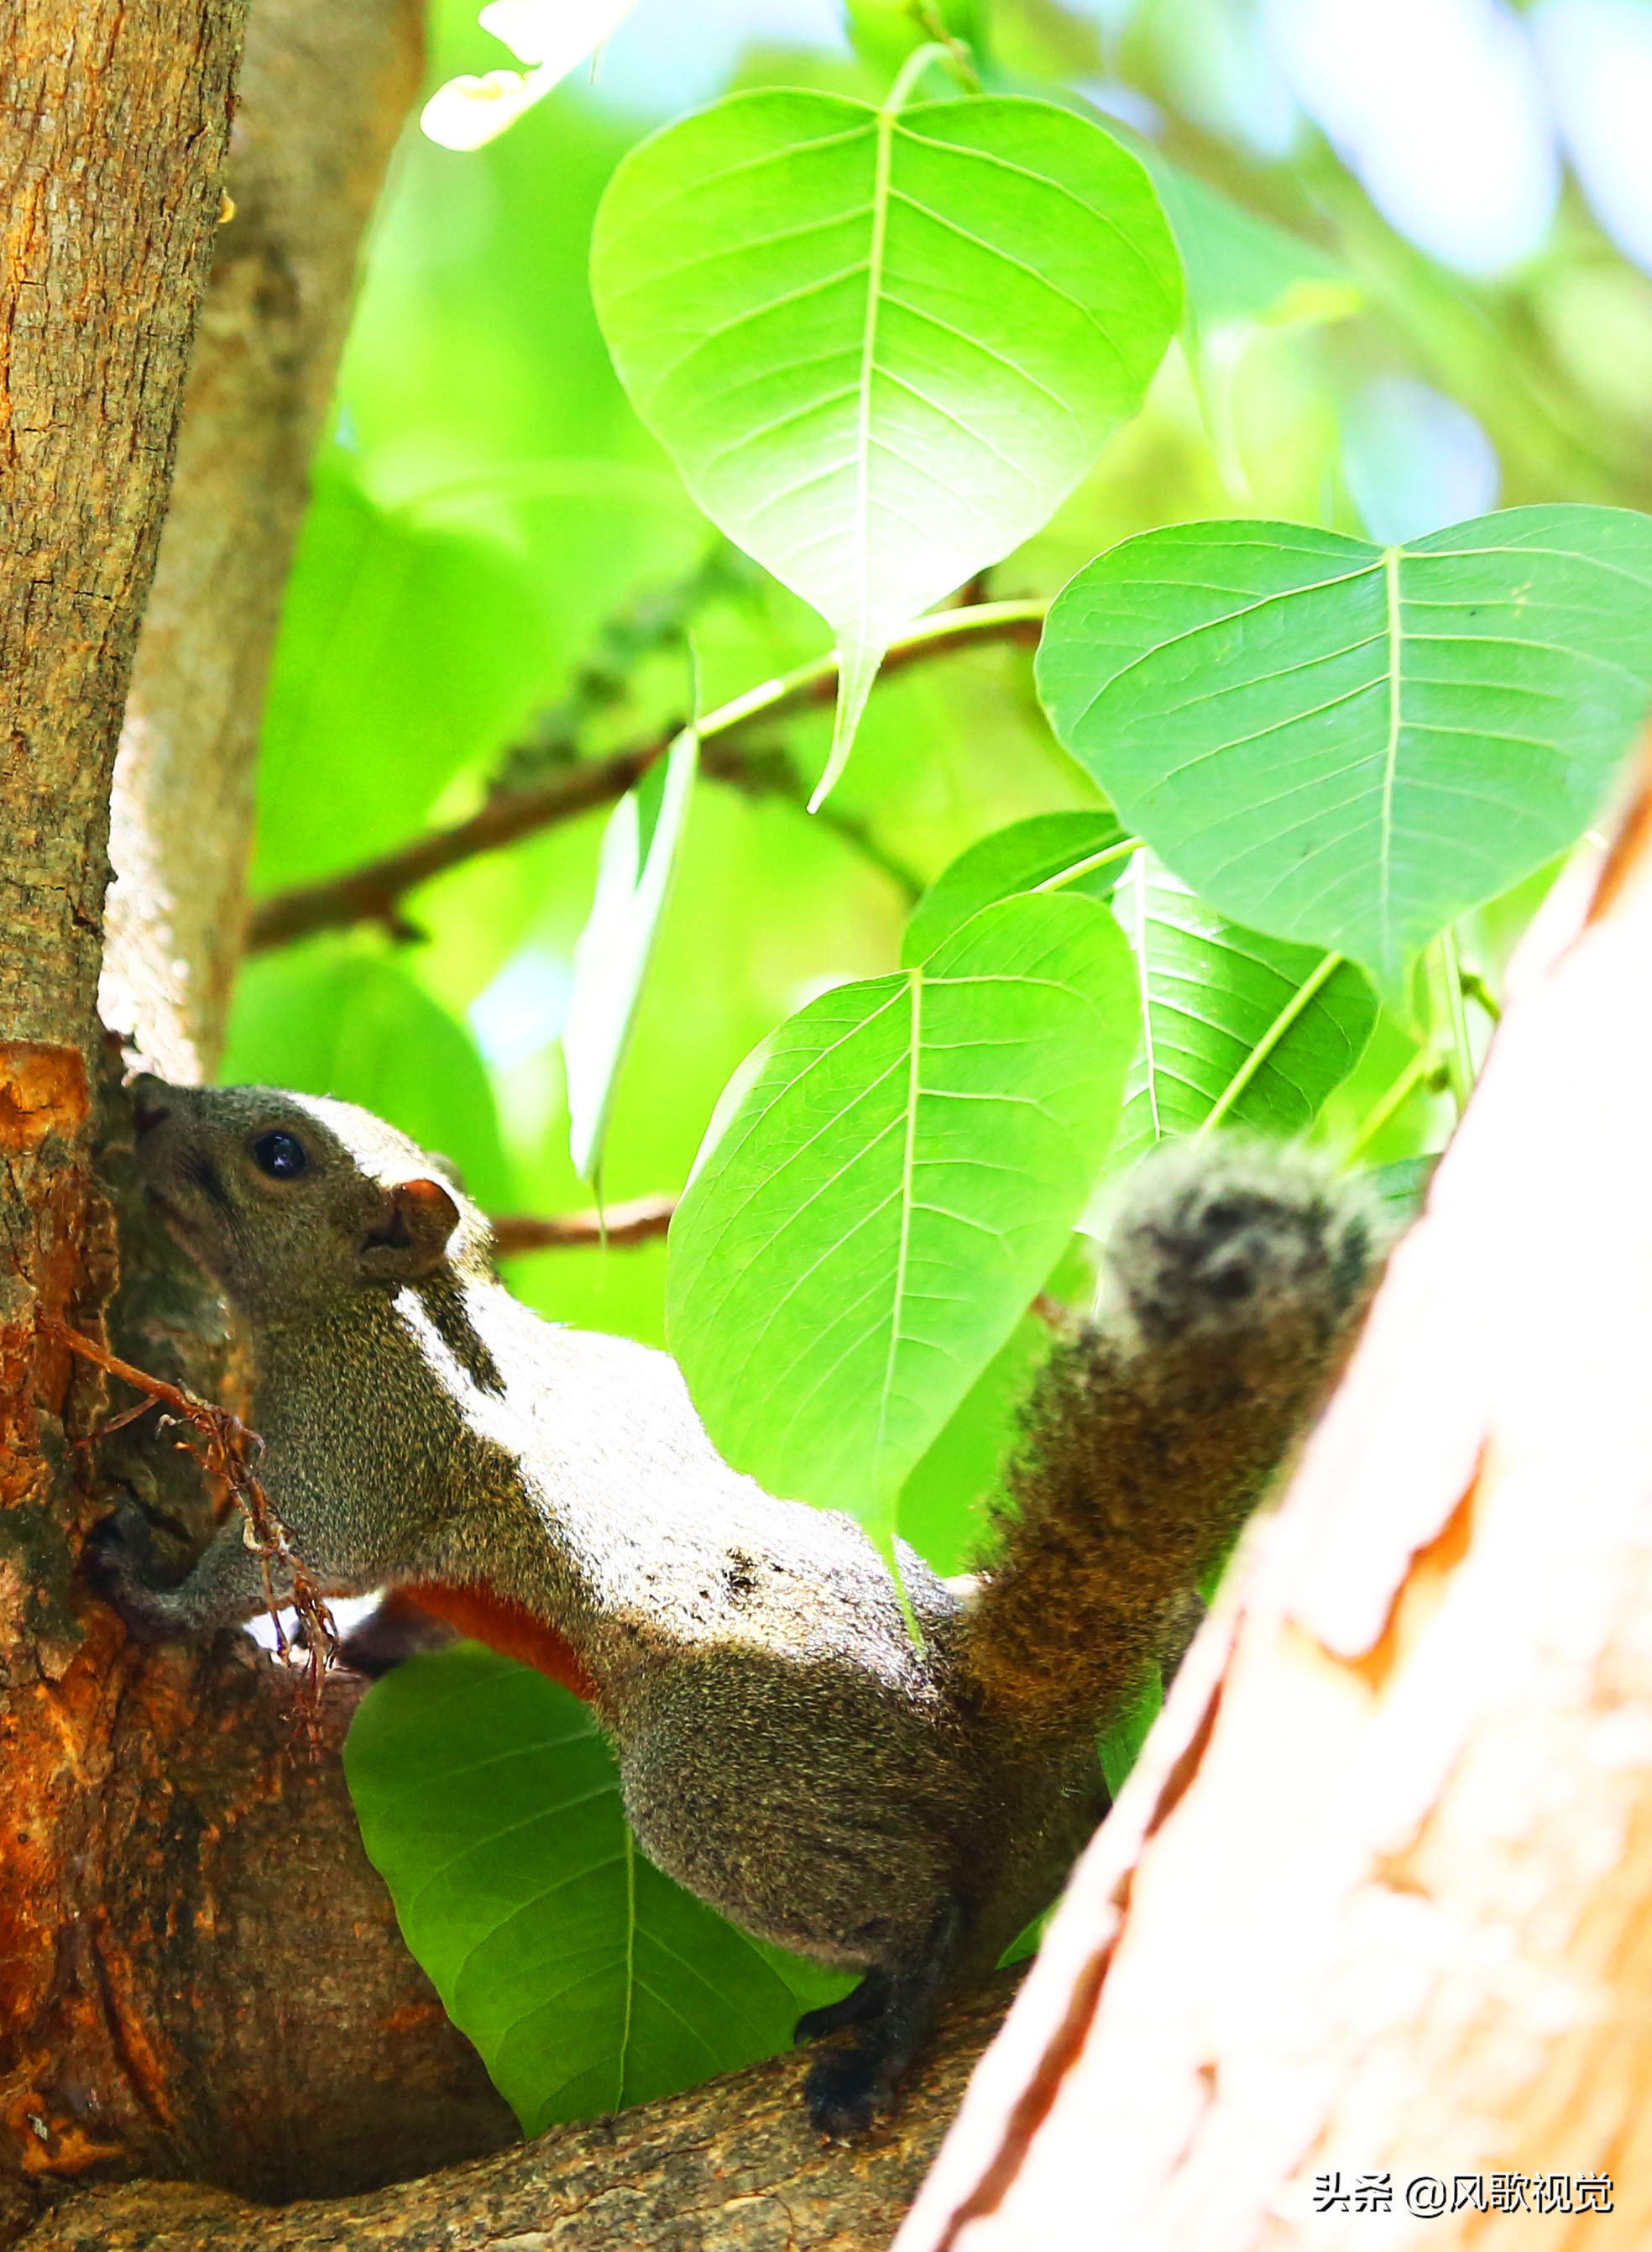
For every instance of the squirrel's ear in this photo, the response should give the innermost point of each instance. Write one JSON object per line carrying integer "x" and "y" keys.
{"x": 406, "y": 1237}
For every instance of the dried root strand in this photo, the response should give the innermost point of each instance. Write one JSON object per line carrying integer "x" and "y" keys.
{"x": 231, "y": 1452}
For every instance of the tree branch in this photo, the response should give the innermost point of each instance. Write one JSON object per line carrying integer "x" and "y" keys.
{"x": 320, "y": 97}
{"x": 617, "y": 1225}
{"x": 373, "y": 893}
{"x": 731, "y": 2166}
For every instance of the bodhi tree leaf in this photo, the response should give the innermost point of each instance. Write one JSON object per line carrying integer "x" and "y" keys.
{"x": 882, "y": 344}
{"x": 1248, "y": 1030}
{"x": 588, "y": 1980}
{"x": 1079, "y": 852}
{"x": 1253, "y": 1030}
{"x": 640, "y": 848}
{"x": 1240, "y": 267}
{"x": 1350, "y": 745}
{"x": 889, "y": 1180}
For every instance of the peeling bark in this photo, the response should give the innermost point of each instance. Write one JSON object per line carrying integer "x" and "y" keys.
{"x": 1378, "y": 1899}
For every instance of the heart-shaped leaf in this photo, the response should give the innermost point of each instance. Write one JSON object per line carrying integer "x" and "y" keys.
{"x": 1251, "y": 1030}
{"x": 1080, "y": 852}
{"x": 1239, "y": 1026}
{"x": 882, "y": 344}
{"x": 1350, "y": 745}
{"x": 588, "y": 1980}
{"x": 891, "y": 1177}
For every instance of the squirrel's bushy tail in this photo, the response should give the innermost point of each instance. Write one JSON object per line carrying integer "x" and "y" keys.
{"x": 1234, "y": 1278}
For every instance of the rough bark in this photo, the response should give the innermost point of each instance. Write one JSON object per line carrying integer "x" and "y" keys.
{"x": 731, "y": 2166}
{"x": 231, "y": 2000}
{"x": 158, "y": 1823}
{"x": 321, "y": 96}
{"x": 116, "y": 120}
{"x": 116, "y": 123}
{"x": 1378, "y": 1900}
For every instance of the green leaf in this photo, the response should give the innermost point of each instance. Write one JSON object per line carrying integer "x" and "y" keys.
{"x": 588, "y": 1980}
{"x": 1121, "y": 1740}
{"x": 1240, "y": 267}
{"x": 882, "y": 347}
{"x": 1251, "y": 1029}
{"x": 890, "y": 1180}
{"x": 1402, "y": 1187}
{"x": 640, "y": 849}
{"x": 1021, "y": 858}
{"x": 1350, "y": 745}
{"x": 405, "y": 649}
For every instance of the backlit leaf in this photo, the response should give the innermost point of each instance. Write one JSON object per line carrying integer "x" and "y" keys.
{"x": 1350, "y": 745}
{"x": 881, "y": 347}
{"x": 892, "y": 1178}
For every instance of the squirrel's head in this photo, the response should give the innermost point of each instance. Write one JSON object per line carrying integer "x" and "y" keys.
{"x": 292, "y": 1201}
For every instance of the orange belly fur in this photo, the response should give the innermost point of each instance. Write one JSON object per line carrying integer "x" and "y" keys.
{"x": 505, "y": 1627}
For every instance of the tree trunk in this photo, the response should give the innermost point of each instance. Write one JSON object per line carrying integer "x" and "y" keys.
{"x": 1379, "y": 1900}
{"x": 118, "y": 117}
{"x": 323, "y": 94}
{"x": 730, "y": 2167}
{"x": 198, "y": 1971}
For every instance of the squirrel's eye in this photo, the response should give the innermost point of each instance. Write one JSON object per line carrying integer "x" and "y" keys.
{"x": 280, "y": 1156}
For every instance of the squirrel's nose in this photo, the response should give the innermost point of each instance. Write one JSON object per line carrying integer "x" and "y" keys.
{"x": 149, "y": 1107}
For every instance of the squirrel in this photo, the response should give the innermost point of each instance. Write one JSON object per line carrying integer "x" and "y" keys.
{"x": 897, "y": 1805}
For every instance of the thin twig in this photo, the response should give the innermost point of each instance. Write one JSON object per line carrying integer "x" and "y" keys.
{"x": 1425, "y": 1069}
{"x": 772, "y": 773}
{"x": 373, "y": 892}
{"x": 640, "y": 1221}
{"x": 232, "y": 1450}
{"x": 1459, "y": 1055}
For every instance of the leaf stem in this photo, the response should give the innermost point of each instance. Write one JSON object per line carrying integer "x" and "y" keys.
{"x": 1421, "y": 1067}
{"x": 1119, "y": 851}
{"x": 932, "y": 50}
{"x": 1459, "y": 1055}
{"x": 1305, "y": 993}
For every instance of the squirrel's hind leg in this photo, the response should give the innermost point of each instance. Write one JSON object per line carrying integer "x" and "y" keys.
{"x": 861, "y": 2004}
{"x": 848, "y": 2087}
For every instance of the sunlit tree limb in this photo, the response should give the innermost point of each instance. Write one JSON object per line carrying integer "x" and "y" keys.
{"x": 375, "y": 892}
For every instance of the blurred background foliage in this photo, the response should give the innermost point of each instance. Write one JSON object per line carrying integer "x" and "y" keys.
{"x": 1419, "y": 235}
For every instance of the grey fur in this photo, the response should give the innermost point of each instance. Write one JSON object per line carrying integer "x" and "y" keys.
{"x": 787, "y": 1749}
